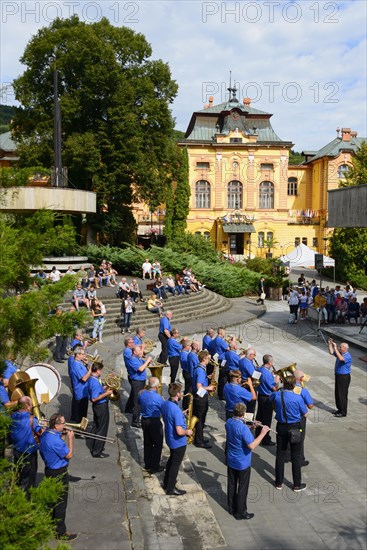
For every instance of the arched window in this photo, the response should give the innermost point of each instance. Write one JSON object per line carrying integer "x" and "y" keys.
{"x": 202, "y": 194}
{"x": 269, "y": 236}
{"x": 304, "y": 240}
{"x": 234, "y": 195}
{"x": 292, "y": 186}
{"x": 266, "y": 195}
{"x": 342, "y": 170}
{"x": 206, "y": 235}
{"x": 297, "y": 241}
{"x": 260, "y": 239}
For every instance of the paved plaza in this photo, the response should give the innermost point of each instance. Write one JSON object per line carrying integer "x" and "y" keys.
{"x": 115, "y": 504}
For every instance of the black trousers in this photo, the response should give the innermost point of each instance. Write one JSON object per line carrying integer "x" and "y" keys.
{"x": 129, "y": 407}
{"x": 79, "y": 409}
{"x": 283, "y": 439}
{"x": 173, "y": 465}
{"x": 101, "y": 418}
{"x": 294, "y": 309}
{"x": 222, "y": 379}
{"x": 60, "y": 348}
{"x": 200, "y": 409}
{"x": 153, "y": 442}
{"x": 238, "y": 482}
{"x": 164, "y": 353}
{"x": 342, "y": 382}
{"x": 303, "y": 428}
{"x": 59, "y": 512}
{"x": 188, "y": 388}
{"x": 27, "y": 469}
{"x": 264, "y": 415}
{"x": 174, "y": 363}
{"x": 136, "y": 387}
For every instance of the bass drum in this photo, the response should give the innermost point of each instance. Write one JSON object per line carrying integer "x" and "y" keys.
{"x": 48, "y": 383}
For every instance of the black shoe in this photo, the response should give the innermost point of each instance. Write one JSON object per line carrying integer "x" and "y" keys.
{"x": 245, "y": 516}
{"x": 205, "y": 440}
{"x": 203, "y": 446}
{"x": 299, "y": 488}
{"x": 59, "y": 360}
{"x": 335, "y": 412}
{"x": 136, "y": 425}
{"x": 67, "y": 536}
{"x": 100, "y": 455}
{"x": 268, "y": 444}
{"x": 305, "y": 463}
{"x": 129, "y": 411}
{"x": 339, "y": 415}
{"x": 156, "y": 470}
{"x": 176, "y": 492}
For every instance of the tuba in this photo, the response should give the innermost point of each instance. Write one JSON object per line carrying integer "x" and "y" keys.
{"x": 286, "y": 371}
{"x": 191, "y": 420}
{"x": 27, "y": 387}
{"x": 156, "y": 370}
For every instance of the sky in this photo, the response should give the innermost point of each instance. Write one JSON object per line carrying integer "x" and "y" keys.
{"x": 303, "y": 61}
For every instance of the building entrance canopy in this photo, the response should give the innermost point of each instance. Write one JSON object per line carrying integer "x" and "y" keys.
{"x": 238, "y": 228}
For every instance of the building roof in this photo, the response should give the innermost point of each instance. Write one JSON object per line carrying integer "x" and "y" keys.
{"x": 6, "y": 143}
{"x": 334, "y": 148}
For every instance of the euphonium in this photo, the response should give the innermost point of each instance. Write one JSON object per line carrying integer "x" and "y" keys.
{"x": 286, "y": 371}
{"x": 191, "y": 420}
{"x": 112, "y": 382}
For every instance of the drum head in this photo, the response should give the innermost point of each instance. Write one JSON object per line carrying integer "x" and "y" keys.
{"x": 48, "y": 384}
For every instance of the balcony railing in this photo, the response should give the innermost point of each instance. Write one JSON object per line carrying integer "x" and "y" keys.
{"x": 304, "y": 220}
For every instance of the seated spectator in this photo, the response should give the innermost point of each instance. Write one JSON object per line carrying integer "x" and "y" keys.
{"x": 55, "y": 275}
{"x": 135, "y": 291}
{"x": 348, "y": 293}
{"x": 40, "y": 277}
{"x": 92, "y": 293}
{"x": 79, "y": 298}
{"x": 92, "y": 277}
{"x": 83, "y": 277}
{"x": 171, "y": 285}
{"x": 341, "y": 309}
{"x": 70, "y": 271}
{"x": 124, "y": 288}
{"x": 104, "y": 278}
{"x": 147, "y": 269}
{"x": 179, "y": 283}
{"x": 353, "y": 310}
{"x": 159, "y": 289}
{"x": 154, "y": 305}
{"x": 111, "y": 272}
{"x": 320, "y": 304}
{"x": 197, "y": 284}
{"x": 156, "y": 269}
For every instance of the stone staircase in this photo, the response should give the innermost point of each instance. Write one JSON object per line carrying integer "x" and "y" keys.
{"x": 195, "y": 305}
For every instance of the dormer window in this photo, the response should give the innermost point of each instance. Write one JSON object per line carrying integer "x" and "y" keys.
{"x": 235, "y": 140}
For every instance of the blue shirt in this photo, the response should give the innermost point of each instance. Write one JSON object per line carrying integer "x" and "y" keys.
{"x": 77, "y": 372}
{"x": 95, "y": 389}
{"x": 76, "y": 342}
{"x": 343, "y": 367}
{"x": 207, "y": 340}
{"x": 137, "y": 341}
{"x": 267, "y": 381}
{"x": 183, "y": 360}
{"x": 21, "y": 432}
{"x": 305, "y": 394}
{"x": 9, "y": 370}
{"x": 164, "y": 324}
{"x": 192, "y": 362}
{"x": 220, "y": 346}
{"x": 128, "y": 353}
{"x": 199, "y": 377}
{"x": 239, "y": 438}
{"x": 294, "y": 406}
{"x": 4, "y": 397}
{"x": 173, "y": 417}
{"x": 233, "y": 394}
{"x": 53, "y": 450}
{"x": 151, "y": 404}
{"x": 173, "y": 348}
{"x": 233, "y": 360}
{"x": 135, "y": 363}
{"x": 246, "y": 367}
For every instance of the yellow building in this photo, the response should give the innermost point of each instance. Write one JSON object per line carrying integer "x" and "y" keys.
{"x": 245, "y": 196}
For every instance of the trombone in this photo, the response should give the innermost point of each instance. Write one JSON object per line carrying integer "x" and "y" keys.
{"x": 80, "y": 429}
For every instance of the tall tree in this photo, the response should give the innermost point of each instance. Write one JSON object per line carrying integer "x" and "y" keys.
{"x": 116, "y": 120}
{"x": 181, "y": 204}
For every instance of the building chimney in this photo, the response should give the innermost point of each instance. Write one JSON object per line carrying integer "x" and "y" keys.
{"x": 211, "y": 101}
{"x": 246, "y": 101}
{"x": 353, "y": 134}
{"x": 345, "y": 134}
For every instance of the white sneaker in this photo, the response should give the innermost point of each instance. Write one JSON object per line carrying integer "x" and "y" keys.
{"x": 101, "y": 341}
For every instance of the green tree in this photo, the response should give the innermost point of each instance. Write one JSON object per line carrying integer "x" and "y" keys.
{"x": 348, "y": 245}
{"x": 116, "y": 119}
{"x": 181, "y": 203}
{"x": 295, "y": 158}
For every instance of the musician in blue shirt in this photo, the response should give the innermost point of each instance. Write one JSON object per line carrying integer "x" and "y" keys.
{"x": 231, "y": 356}
{"x": 201, "y": 400}
{"x": 268, "y": 384}
{"x": 23, "y": 430}
{"x": 138, "y": 338}
{"x": 184, "y": 355}
{"x": 138, "y": 377}
{"x": 289, "y": 409}
{"x": 173, "y": 352}
{"x": 343, "y": 366}
{"x": 151, "y": 409}
{"x": 175, "y": 434}
{"x": 127, "y": 354}
{"x": 234, "y": 393}
{"x": 10, "y": 369}
{"x": 79, "y": 375}
{"x": 164, "y": 333}
{"x": 56, "y": 455}
{"x": 247, "y": 367}
{"x": 305, "y": 394}
{"x": 208, "y": 339}
{"x": 98, "y": 395}
{"x": 240, "y": 444}
{"x": 220, "y": 346}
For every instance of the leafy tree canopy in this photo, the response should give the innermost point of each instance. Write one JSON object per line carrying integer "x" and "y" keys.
{"x": 295, "y": 158}
{"x": 115, "y": 100}
{"x": 357, "y": 174}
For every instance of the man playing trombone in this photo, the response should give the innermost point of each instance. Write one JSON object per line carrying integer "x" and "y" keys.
{"x": 98, "y": 395}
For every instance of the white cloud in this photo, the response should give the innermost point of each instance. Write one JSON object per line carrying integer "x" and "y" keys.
{"x": 323, "y": 52}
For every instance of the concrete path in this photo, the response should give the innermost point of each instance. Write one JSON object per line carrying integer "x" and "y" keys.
{"x": 124, "y": 507}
